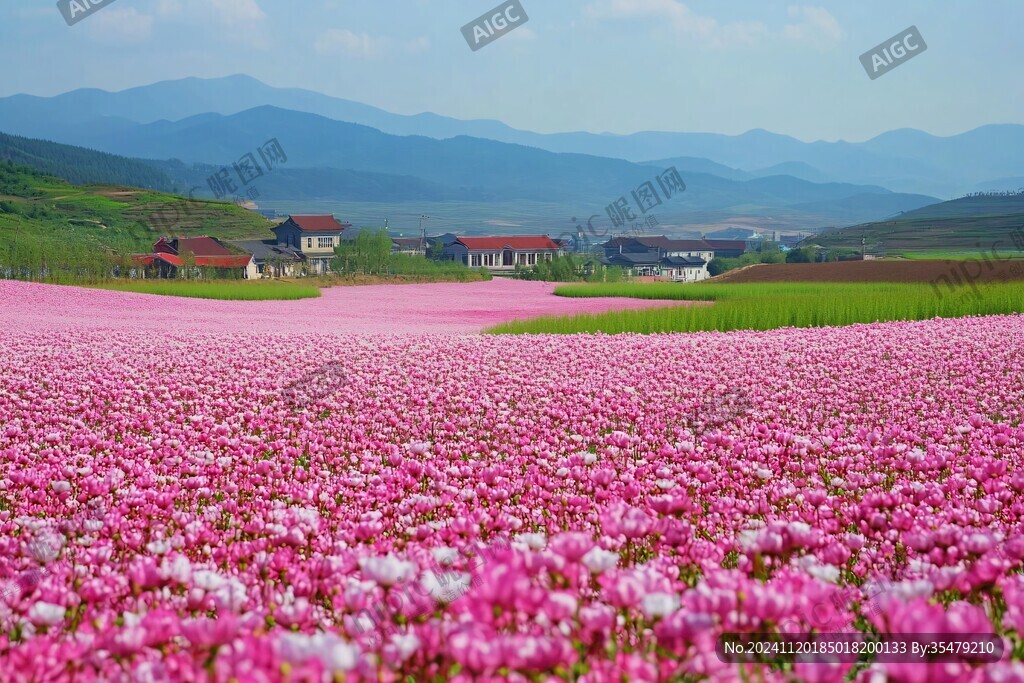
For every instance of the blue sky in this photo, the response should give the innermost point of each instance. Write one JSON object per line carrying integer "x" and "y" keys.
{"x": 723, "y": 66}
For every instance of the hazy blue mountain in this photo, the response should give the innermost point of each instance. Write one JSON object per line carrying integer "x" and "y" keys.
{"x": 699, "y": 165}
{"x": 466, "y": 168}
{"x": 797, "y": 169}
{"x": 903, "y": 160}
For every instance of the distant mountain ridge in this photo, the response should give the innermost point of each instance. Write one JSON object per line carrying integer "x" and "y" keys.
{"x": 902, "y": 160}
{"x": 335, "y": 161}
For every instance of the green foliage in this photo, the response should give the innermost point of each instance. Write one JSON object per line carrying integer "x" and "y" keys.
{"x": 570, "y": 268}
{"x": 803, "y": 255}
{"x": 250, "y": 290}
{"x": 79, "y": 165}
{"x": 771, "y": 306}
{"x": 53, "y": 231}
{"x": 769, "y": 254}
{"x": 370, "y": 254}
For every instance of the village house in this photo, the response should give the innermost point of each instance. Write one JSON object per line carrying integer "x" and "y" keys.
{"x": 501, "y": 254}
{"x": 202, "y": 256}
{"x": 314, "y": 237}
{"x": 413, "y": 246}
{"x": 660, "y": 257}
{"x": 727, "y": 248}
{"x": 273, "y": 260}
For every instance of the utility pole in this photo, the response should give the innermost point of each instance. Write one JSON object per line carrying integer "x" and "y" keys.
{"x": 423, "y": 233}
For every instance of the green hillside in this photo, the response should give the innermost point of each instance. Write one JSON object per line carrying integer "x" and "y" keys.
{"x": 81, "y": 166}
{"x": 44, "y": 219}
{"x": 969, "y": 224}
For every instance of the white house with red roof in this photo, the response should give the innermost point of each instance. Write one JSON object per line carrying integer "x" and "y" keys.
{"x": 315, "y": 237}
{"x": 502, "y": 254}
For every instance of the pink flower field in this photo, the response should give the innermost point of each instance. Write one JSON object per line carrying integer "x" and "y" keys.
{"x": 445, "y": 308}
{"x": 210, "y": 491}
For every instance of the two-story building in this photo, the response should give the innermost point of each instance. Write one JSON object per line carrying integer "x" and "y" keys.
{"x": 661, "y": 257}
{"x": 315, "y": 237}
{"x": 501, "y": 254}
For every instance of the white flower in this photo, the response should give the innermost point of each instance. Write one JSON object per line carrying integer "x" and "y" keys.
{"x": 405, "y": 644}
{"x": 46, "y": 613}
{"x": 444, "y": 555}
{"x": 598, "y": 560}
{"x": 590, "y": 458}
{"x": 665, "y": 484}
{"x": 657, "y": 605}
{"x": 61, "y": 486}
{"x": 387, "y": 570}
{"x": 161, "y": 547}
{"x": 446, "y": 587}
{"x": 178, "y": 570}
{"x": 537, "y": 541}
{"x": 207, "y": 580}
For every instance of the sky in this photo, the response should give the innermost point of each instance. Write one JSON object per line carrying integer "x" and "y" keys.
{"x": 618, "y": 66}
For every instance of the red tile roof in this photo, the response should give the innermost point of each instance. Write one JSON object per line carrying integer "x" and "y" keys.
{"x": 520, "y": 242}
{"x": 149, "y": 259}
{"x": 202, "y": 246}
{"x": 231, "y": 261}
{"x": 318, "y": 223}
{"x": 199, "y": 246}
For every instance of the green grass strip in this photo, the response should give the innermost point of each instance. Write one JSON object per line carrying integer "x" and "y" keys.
{"x": 228, "y": 290}
{"x": 771, "y": 306}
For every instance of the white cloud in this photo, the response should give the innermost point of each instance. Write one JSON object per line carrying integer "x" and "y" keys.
{"x": 342, "y": 41}
{"x": 707, "y": 30}
{"x": 238, "y": 11}
{"x": 815, "y": 26}
{"x": 123, "y": 25}
{"x": 337, "y": 41}
{"x": 225, "y": 12}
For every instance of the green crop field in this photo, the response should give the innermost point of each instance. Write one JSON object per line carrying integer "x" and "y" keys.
{"x": 771, "y": 306}
{"x": 255, "y": 290}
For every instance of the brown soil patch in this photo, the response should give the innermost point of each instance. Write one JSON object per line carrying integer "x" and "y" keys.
{"x": 976, "y": 270}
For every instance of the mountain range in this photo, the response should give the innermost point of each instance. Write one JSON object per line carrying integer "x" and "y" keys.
{"x": 346, "y": 152}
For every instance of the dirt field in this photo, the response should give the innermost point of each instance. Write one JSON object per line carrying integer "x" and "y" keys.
{"x": 977, "y": 270}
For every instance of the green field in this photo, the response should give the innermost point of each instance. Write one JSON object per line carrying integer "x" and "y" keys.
{"x": 771, "y": 306}
{"x": 242, "y": 290}
{"x": 959, "y": 255}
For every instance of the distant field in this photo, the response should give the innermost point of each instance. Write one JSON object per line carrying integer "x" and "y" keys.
{"x": 984, "y": 270}
{"x": 257, "y": 290}
{"x": 773, "y": 305}
{"x": 959, "y": 255}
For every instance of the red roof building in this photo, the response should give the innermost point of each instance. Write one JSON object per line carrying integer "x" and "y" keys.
{"x": 169, "y": 254}
{"x": 502, "y": 253}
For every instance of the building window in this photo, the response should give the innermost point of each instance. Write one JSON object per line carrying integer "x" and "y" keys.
{"x": 547, "y": 256}
{"x": 476, "y": 260}
{"x": 533, "y": 259}
{"x": 309, "y": 243}
{"x": 325, "y": 242}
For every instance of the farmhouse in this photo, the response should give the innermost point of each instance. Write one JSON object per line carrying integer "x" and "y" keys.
{"x": 501, "y": 254}
{"x": 272, "y": 259}
{"x": 408, "y": 245}
{"x": 314, "y": 237}
{"x": 661, "y": 257}
{"x": 200, "y": 255}
{"x": 727, "y": 248}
